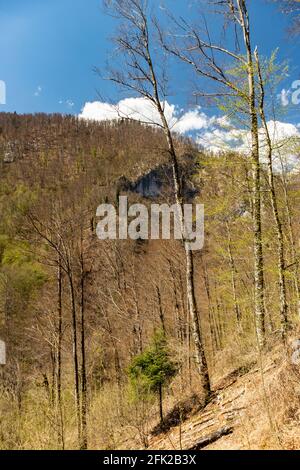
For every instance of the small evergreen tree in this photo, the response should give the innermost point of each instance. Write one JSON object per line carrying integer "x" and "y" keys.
{"x": 153, "y": 369}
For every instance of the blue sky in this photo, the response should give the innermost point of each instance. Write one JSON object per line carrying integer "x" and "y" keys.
{"x": 48, "y": 49}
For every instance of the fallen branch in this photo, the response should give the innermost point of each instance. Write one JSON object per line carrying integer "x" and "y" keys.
{"x": 205, "y": 441}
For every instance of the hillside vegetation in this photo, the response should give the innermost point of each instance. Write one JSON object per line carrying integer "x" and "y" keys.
{"x": 83, "y": 318}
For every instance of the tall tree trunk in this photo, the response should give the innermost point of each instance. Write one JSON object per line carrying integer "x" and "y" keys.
{"x": 160, "y": 403}
{"x": 233, "y": 277}
{"x": 294, "y": 260}
{"x": 278, "y": 224}
{"x": 178, "y": 319}
{"x": 75, "y": 354}
{"x": 192, "y": 304}
{"x": 59, "y": 353}
{"x": 257, "y": 225}
{"x": 117, "y": 363}
{"x": 184, "y": 313}
{"x": 135, "y": 15}
{"x": 137, "y": 327}
{"x": 160, "y": 310}
{"x": 212, "y": 321}
{"x": 200, "y": 355}
{"x": 84, "y": 438}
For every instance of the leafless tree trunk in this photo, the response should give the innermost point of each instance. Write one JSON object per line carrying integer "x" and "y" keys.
{"x": 142, "y": 78}
{"x": 177, "y": 320}
{"x": 193, "y": 309}
{"x": 59, "y": 352}
{"x": 75, "y": 352}
{"x": 233, "y": 276}
{"x": 84, "y": 437}
{"x": 278, "y": 224}
{"x": 160, "y": 309}
{"x": 137, "y": 327}
{"x": 257, "y": 226}
{"x": 160, "y": 403}
{"x": 212, "y": 321}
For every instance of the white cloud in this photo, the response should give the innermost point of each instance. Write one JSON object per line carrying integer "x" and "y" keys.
{"x": 223, "y": 138}
{"x": 283, "y": 130}
{"x": 192, "y": 121}
{"x": 143, "y": 110}
{"x": 218, "y": 138}
{"x": 216, "y": 133}
{"x": 134, "y": 108}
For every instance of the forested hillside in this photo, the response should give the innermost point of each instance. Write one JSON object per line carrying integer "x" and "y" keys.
{"x": 129, "y": 337}
{"x": 118, "y": 301}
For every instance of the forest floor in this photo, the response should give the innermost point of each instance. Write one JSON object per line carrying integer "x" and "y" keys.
{"x": 252, "y": 408}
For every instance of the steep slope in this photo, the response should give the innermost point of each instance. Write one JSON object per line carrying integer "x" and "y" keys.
{"x": 257, "y": 409}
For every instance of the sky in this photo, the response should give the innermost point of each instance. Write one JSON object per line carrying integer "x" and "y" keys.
{"x": 50, "y": 48}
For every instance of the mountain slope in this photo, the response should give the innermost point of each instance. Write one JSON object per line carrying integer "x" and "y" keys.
{"x": 257, "y": 409}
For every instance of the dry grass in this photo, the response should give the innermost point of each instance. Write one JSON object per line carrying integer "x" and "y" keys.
{"x": 260, "y": 399}
{"x": 262, "y": 404}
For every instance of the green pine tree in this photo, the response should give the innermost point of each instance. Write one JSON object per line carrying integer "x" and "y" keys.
{"x": 153, "y": 369}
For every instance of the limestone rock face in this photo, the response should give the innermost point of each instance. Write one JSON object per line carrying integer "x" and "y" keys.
{"x": 159, "y": 181}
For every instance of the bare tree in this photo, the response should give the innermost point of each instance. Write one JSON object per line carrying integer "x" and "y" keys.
{"x": 59, "y": 347}
{"x": 234, "y": 273}
{"x": 141, "y": 73}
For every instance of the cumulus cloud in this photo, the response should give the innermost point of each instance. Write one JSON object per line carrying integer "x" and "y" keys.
{"x": 192, "y": 121}
{"x": 143, "y": 110}
{"x": 283, "y": 130}
{"x": 218, "y": 138}
{"x": 139, "y": 109}
{"x": 226, "y": 137}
